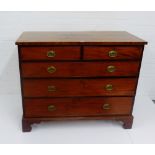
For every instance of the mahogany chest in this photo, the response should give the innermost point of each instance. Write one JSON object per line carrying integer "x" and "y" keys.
{"x": 78, "y": 75}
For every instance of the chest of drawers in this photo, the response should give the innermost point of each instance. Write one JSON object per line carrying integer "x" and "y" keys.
{"x": 78, "y": 75}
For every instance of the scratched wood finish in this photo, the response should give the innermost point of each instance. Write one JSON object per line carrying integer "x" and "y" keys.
{"x": 78, "y": 106}
{"x": 80, "y": 69}
{"x": 79, "y": 87}
{"x": 40, "y": 53}
{"x": 102, "y": 52}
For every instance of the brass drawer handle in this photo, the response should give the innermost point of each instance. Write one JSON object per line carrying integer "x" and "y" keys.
{"x": 109, "y": 87}
{"x": 51, "y": 88}
{"x": 51, "y": 108}
{"x": 106, "y": 106}
{"x": 51, "y": 69}
{"x": 111, "y": 69}
{"x": 51, "y": 54}
{"x": 112, "y": 54}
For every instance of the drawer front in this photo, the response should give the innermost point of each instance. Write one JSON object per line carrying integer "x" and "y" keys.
{"x": 79, "y": 87}
{"x": 50, "y": 53}
{"x": 112, "y": 53}
{"x": 80, "y": 69}
{"x": 78, "y": 106}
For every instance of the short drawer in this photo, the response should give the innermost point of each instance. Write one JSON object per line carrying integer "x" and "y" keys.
{"x": 112, "y": 52}
{"x": 85, "y": 106}
{"x": 50, "y": 53}
{"x": 79, "y": 87}
{"x": 80, "y": 69}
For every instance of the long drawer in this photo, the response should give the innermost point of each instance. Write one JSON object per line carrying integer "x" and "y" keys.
{"x": 80, "y": 69}
{"x": 79, "y": 87}
{"x": 85, "y": 106}
{"x": 50, "y": 53}
{"x": 112, "y": 52}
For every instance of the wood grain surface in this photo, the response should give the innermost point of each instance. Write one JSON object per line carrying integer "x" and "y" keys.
{"x": 78, "y": 106}
{"x": 79, "y": 38}
{"x": 80, "y": 69}
{"x": 79, "y": 87}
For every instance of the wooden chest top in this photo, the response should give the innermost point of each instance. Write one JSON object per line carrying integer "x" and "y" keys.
{"x": 79, "y": 38}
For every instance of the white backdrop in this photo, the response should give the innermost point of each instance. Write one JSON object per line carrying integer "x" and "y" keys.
{"x": 12, "y": 24}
